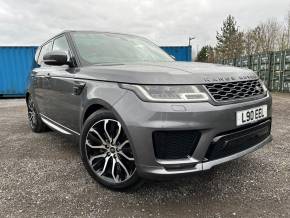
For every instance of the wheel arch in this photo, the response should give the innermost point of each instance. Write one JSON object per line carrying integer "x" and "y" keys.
{"x": 90, "y": 110}
{"x": 101, "y": 104}
{"x": 95, "y": 105}
{"x": 98, "y": 104}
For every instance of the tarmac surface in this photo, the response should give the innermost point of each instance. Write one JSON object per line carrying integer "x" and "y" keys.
{"x": 42, "y": 175}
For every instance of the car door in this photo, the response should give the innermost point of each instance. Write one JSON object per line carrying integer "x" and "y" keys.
{"x": 40, "y": 80}
{"x": 63, "y": 104}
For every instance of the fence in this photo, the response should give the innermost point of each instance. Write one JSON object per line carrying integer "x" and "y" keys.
{"x": 273, "y": 68}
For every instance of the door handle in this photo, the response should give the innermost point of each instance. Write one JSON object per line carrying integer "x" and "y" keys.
{"x": 78, "y": 87}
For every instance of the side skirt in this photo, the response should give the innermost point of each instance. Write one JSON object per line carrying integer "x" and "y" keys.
{"x": 57, "y": 126}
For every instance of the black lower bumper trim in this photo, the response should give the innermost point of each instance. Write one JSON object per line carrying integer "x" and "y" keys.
{"x": 233, "y": 142}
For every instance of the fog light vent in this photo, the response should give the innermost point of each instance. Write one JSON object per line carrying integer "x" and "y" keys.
{"x": 175, "y": 144}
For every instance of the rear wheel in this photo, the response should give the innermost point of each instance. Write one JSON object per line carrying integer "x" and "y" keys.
{"x": 34, "y": 119}
{"x": 106, "y": 152}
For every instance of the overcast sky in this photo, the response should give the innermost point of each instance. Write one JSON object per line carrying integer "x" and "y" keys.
{"x": 166, "y": 22}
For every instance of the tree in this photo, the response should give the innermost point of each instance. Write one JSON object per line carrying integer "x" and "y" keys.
{"x": 205, "y": 54}
{"x": 284, "y": 38}
{"x": 249, "y": 39}
{"x": 270, "y": 30}
{"x": 288, "y": 31}
{"x": 230, "y": 40}
{"x": 266, "y": 37}
{"x": 284, "y": 34}
{"x": 254, "y": 40}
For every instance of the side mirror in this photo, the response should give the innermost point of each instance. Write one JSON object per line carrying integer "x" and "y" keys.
{"x": 55, "y": 58}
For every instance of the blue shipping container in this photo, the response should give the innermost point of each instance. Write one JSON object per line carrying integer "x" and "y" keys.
{"x": 16, "y": 63}
{"x": 181, "y": 53}
{"x": 15, "y": 66}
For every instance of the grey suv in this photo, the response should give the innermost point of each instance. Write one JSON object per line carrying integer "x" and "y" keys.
{"x": 137, "y": 113}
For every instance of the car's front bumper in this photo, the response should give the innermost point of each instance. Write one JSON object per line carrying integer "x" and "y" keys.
{"x": 159, "y": 172}
{"x": 140, "y": 119}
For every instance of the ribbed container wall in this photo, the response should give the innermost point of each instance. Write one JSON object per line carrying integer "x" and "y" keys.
{"x": 255, "y": 64}
{"x": 277, "y": 71}
{"x": 15, "y": 66}
{"x": 272, "y": 67}
{"x": 243, "y": 62}
{"x": 181, "y": 53}
{"x": 286, "y": 72}
{"x": 230, "y": 62}
{"x": 265, "y": 61}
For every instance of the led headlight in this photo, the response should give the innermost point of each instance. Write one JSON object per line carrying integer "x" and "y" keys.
{"x": 167, "y": 93}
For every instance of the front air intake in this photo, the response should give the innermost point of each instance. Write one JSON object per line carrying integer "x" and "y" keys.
{"x": 236, "y": 141}
{"x": 170, "y": 145}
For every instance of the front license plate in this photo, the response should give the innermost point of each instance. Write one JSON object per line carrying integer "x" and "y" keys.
{"x": 251, "y": 115}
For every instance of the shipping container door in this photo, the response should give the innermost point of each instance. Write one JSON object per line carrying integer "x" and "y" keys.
{"x": 264, "y": 69}
{"x": 256, "y": 64}
{"x": 286, "y": 72}
{"x": 16, "y": 64}
{"x": 277, "y": 71}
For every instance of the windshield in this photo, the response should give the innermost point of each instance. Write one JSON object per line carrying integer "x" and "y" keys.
{"x": 99, "y": 48}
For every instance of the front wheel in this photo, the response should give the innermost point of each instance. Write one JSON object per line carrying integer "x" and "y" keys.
{"x": 106, "y": 152}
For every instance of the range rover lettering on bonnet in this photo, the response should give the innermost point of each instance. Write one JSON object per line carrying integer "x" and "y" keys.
{"x": 229, "y": 78}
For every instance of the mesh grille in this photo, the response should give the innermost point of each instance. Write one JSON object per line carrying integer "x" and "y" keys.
{"x": 235, "y": 90}
{"x": 175, "y": 144}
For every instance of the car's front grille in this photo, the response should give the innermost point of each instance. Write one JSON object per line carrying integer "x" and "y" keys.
{"x": 229, "y": 143}
{"x": 170, "y": 145}
{"x": 235, "y": 90}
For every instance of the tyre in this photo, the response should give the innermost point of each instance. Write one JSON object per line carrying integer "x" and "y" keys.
{"x": 34, "y": 119}
{"x": 106, "y": 152}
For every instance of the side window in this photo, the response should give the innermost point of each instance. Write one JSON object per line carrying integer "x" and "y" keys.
{"x": 46, "y": 48}
{"x": 60, "y": 44}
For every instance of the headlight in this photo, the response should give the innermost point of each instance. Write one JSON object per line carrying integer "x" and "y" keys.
{"x": 167, "y": 93}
